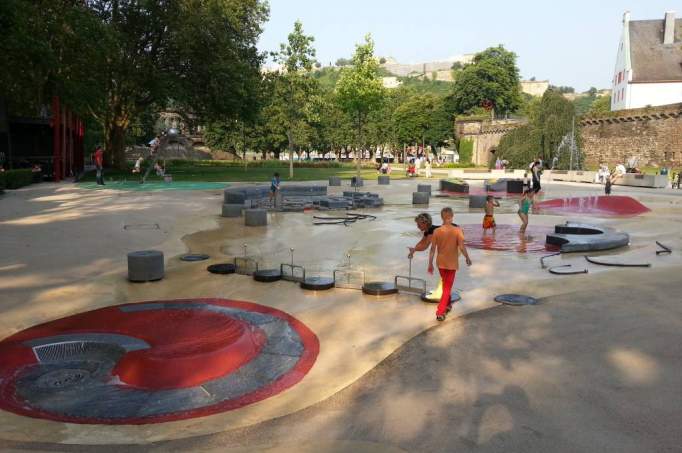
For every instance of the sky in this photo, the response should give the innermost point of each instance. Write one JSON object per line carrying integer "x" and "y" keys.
{"x": 570, "y": 43}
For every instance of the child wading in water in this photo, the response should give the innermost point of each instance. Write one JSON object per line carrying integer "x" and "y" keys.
{"x": 447, "y": 242}
{"x": 524, "y": 208}
{"x": 489, "y": 219}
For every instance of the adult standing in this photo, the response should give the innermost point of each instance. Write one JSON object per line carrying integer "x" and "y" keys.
{"x": 99, "y": 165}
{"x": 427, "y": 166}
{"x": 536, "y": 171}
{"x": 425, "y": 224}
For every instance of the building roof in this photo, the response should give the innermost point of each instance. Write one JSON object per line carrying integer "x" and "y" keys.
{"x": 652, "y": 61}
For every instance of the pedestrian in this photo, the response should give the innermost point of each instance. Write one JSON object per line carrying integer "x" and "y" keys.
{"x": 425, "y": 225}
{"x": 447, "y": 243}
{"x": 536, "y": 170}
{"x": 607, "y": 184}
{"x": 524, "y": 208}
{"x": 98, "y": 157}
{"x": 427, "y": 166}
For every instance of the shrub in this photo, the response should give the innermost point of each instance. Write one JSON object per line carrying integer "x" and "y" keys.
{"x": 14, "y": 179}
{"x": 466, "y": 151}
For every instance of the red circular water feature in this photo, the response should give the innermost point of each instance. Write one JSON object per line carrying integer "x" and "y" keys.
{"x": 597, "y": 205}
{"x": 154, "y": 362}
{"x": 508, "y": 238}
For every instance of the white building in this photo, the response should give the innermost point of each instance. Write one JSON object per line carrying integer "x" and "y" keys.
{"x": 649, "y": 63}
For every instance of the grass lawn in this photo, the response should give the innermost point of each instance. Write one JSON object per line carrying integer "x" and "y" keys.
{"x": 235, "y": 174}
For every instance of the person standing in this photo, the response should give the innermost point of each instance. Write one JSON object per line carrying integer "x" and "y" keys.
{"x": 536, "y": 170}
{"x": 447, "y": 243}
{"x": 524, "y": 208}
{"x": 274, "y": 189}
{"x": 99, "y": 165}
{"x": 427, "y": 166}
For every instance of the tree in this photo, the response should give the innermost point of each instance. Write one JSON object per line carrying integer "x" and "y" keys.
{"x": 423, "y": 119}
{"x": 600, "y": 107}
{"x": 549, "y": 121}
{"x": 492, "y": 77}
{"x": 382, "y": 60}
{"x": 295, "y": 85}
{"x": 343, "y": 62}
{"x": 200, "y": 53}
{"x": 562, "y": 89}
{"x": 360, "y": 91}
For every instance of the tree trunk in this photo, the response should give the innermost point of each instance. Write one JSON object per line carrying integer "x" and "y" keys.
{"x": 291, "y": 155}
{"x": 114, "y": 146}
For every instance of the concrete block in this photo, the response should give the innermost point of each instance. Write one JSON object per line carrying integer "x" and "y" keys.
{"x": 255, "y": 217}
{"x": 426, "y": 188}
{"x": 356, "y": 182}
{"x": 451, "y": 186}
{"x": 145, "y": 266}
{"x": 334, "y": 181}
{"x": 420, "y": 198}
{"x": 384, "y": 180}
{"x": 477, "y": 201}
{"x": 232, "y": 210}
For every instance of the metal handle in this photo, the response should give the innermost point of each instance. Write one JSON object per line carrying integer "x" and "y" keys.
{"x": 291, "y": 250}
{"x": 244, "y": 246}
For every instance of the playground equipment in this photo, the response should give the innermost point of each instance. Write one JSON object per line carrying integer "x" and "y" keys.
{"x": 292, "y": 272}
{"x": 347, "y": 277}
{"x": 409, "y": 287}
{"x": 245, "y": 265}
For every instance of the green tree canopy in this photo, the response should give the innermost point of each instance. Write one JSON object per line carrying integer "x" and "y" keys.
{"x": 295, "y": 86}
{"x": 359, "y": 90}
{"x": 494, "y": 77}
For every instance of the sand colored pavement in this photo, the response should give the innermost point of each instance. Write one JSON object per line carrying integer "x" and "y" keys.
{"x": 66, "y": 251}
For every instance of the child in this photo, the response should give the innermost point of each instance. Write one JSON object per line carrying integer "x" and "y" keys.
{"x": 524, "y": 208}
{"x": 274, "y": 187}
{"x": 489, "y": 219}
{"x": 526, "y": 181}
{"x": 138, "y": 164}
{"x": 447, "y": 241}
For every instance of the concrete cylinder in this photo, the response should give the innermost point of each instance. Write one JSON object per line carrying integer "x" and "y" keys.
{"x": 384, "y": 180}
{"x": 334, "y": 181}
{"x": 420, "y": 198}
{"x": 477, "y": 201}
{"x": 255, "y": 217}
{"x": 145, "y": 266}
{"x": 355, "y": 182}
{"x": 232, "y": 210}
{"x": 425, "y": 188}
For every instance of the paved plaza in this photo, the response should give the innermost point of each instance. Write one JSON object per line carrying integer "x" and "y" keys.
{"x": 595, "y": 365}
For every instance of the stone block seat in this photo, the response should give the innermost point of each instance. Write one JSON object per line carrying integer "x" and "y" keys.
{"x": 420, "y": 198}
{"x": 239, "y": 195}
{"x": 334, "y": 181}
{"x": 384, "y": 180}
{"x": 426, "y": 188}
{"x": 504, "y": 185}
{"x": 145, "y": 266}
{"x": 255, "y": 217}
{"x": 477, "y": 201}
{"x": 457, "y": 186}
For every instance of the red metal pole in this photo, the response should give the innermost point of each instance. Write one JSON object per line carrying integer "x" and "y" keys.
{"x": 56, "y": 139}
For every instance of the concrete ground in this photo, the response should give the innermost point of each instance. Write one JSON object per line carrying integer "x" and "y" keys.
{"x": 592, "y": 367}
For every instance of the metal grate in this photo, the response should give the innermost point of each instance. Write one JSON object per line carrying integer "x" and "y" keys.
{"x": 245, "y": 265}
{"x": 57, "y": 352}
{"x": 292, "y": 272}
{"x": 349, "y": 279}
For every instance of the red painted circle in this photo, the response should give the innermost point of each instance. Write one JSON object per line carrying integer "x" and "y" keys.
{"x": 508, "y": 238}
{"x": 186, "y": 348}
{"x": 598, "y": 205}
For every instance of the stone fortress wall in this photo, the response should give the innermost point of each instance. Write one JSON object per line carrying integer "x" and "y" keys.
{"x": 654, "y": 135}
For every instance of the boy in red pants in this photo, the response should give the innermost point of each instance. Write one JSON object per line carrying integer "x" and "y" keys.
{"x": 448, "y": 242}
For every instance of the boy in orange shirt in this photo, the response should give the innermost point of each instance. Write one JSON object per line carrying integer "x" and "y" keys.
{"x": 448, "y": 242}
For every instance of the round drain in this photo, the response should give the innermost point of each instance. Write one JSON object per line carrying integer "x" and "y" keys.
{"x": 317, "y": 283}
{"x": 194, "y": 257}
{"x": 223, "y": 268}
{"x": 267, "y": 275}
{"x": 454, "y": 297}
{"x": 515, "y": 299}
{"x": 60, "y": 379}
{"x": 379, "y": 288}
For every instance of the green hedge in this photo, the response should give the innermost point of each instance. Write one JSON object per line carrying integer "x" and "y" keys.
{"x": 14, "y": 179}
{"x": 261, "y": 164}
{"x": 466, "y": 151}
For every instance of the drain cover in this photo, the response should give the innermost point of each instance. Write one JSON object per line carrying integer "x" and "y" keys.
{"x": 224, "y": 268}
{"x": 379, "y": 288}
{"x": 194, "y": 257}
{"x": 142, "y": 226}
{"x": 515, "y": 299}
{"x": 454, "y": 297}
{"x": 317, "y": 283}
{"x": 267, "y": 275}
{"x": 62, "y": 378}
